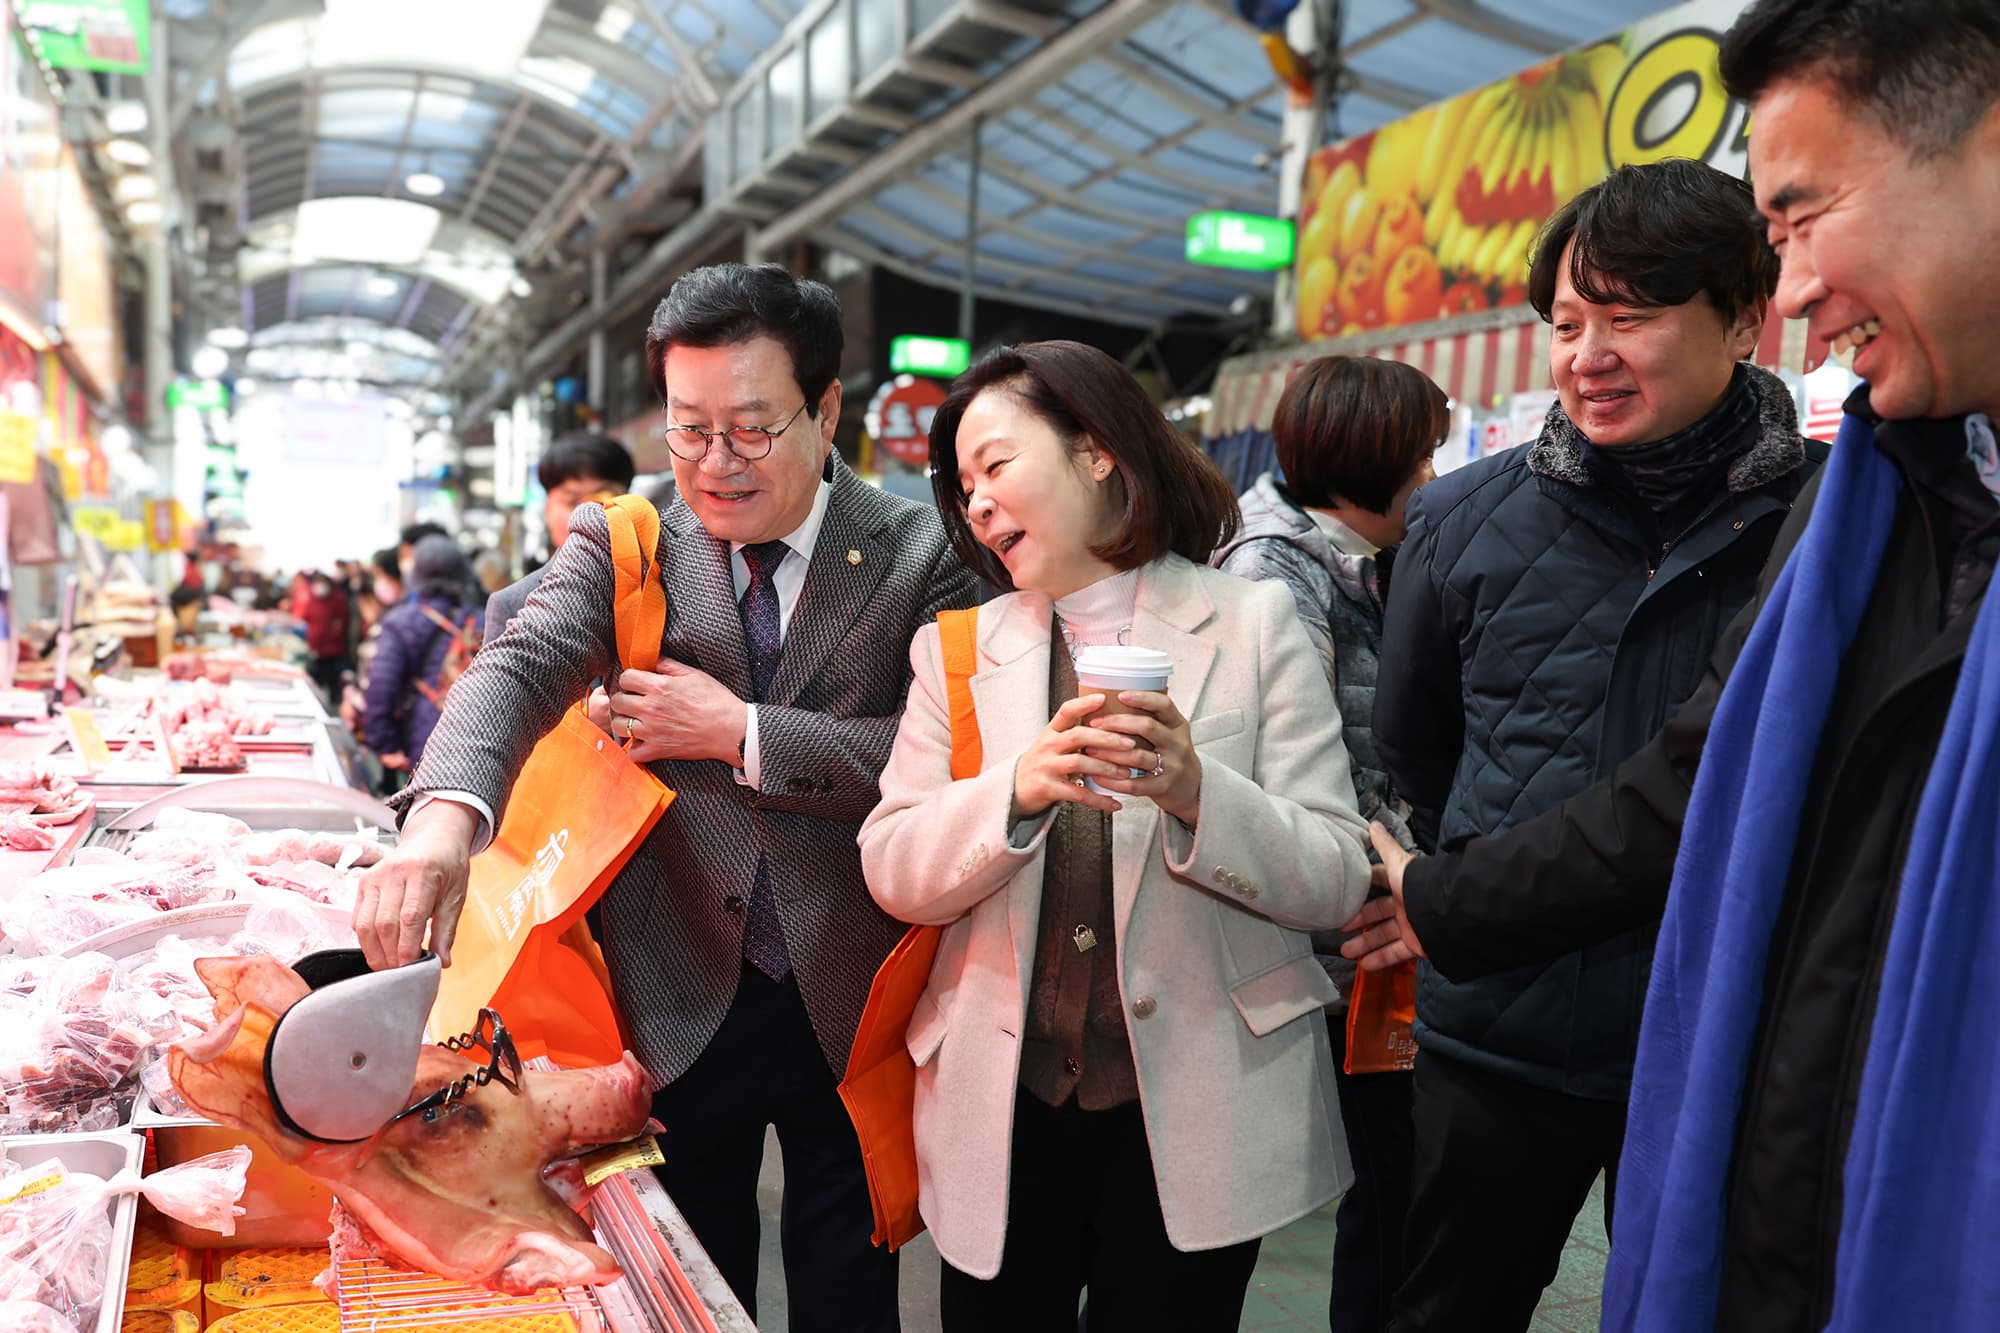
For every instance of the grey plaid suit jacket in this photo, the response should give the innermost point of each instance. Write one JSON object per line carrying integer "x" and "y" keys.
{"x": 674, "y": 918}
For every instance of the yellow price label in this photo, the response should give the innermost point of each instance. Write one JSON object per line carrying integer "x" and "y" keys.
{"x": 87, "y": 739}
{"x": 34, "y": 1187}
{"x": 601, "y": 1165}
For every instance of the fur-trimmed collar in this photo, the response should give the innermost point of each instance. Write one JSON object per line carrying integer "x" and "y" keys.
{"x": 1559, "y": 453}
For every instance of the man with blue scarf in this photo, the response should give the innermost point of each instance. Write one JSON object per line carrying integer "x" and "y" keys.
{"x": 1814, "y": 1123}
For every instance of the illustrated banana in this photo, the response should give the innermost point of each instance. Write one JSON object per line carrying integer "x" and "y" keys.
{"x": 1440, "y": 143}
{"x": 1513, "y": 263}
{"x": 1462, "y": 244}
{"x": 1495, "y": 144}
{"x": 1585, "y": 121}
{"x": 1485, "y": 264}
{"x": 1562, "y": 157}
{"x": 1445, "y": 201}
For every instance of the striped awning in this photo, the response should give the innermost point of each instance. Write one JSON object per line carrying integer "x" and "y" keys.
{"x": 1481, "y": 360}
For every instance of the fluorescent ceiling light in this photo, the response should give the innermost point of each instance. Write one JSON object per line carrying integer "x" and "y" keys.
{"x": 359, "y": 348}
{"x": 125, "y": 117}
{"x": 489, "y": 36}
{"x": 244, "y": 387}
{"x": 521, "y": 287}
{"x": 362, "y": 230}
{"x": 424, "y": 183}
{"x": 228, "y": 336}
{"x": 613, "y": 23}
{"x": 128, "y": 152}
{"x": 209, "y": 363}
{"x": 383, "y": 287}
{"x": 144, "y": 213}
{"x": 134, "y": 186}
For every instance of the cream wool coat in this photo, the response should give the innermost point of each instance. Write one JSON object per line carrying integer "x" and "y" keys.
{"x": 1222, "y": 993}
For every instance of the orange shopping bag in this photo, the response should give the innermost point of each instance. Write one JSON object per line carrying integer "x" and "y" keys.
{"x": 579, "y": 810}
{"x": 881, "y": 1080}
{"x": 1380, "y": 1011}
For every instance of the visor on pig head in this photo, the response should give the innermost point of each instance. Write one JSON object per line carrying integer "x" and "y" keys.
{"x": 341, "y": 1060}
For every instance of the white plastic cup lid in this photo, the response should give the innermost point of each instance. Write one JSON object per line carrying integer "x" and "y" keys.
{"x": 1124, "y": 667}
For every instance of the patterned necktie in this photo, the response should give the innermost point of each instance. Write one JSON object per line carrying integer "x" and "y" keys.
{"x": 763, "y": 934}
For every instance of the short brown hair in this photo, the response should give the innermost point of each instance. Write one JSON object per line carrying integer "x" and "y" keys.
{"x": 1356, "y": 428}
{"x": 1174, "y": 498}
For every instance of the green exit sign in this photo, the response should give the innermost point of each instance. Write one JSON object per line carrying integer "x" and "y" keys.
{"x": 914, "y": 355}
{"x": 204, "y": 395}
{"x": 1239, "y": 240}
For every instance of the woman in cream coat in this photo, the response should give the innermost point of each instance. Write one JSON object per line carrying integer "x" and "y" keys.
{"x": 1125, "y": 1092}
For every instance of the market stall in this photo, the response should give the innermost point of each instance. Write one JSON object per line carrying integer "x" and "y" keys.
{"x": 147, "y": 870}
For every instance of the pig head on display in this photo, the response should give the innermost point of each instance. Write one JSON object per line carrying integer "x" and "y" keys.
{"x": 463, "y": 1196}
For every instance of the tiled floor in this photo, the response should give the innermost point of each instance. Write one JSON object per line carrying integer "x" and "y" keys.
{"x": 1289, "y": 1290}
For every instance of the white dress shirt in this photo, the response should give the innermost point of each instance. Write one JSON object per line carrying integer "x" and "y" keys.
{"x": 789, "y": 581}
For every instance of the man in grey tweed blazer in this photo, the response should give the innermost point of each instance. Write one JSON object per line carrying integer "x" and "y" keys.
{"x": 741, "y": 938}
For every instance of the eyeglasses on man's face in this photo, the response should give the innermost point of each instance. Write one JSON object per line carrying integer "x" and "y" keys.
{"x": 503, "y": 1066}
{"x": 749, "y": 443}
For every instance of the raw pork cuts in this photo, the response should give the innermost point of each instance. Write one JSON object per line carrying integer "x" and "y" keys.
{"x": 462, "y": 1196}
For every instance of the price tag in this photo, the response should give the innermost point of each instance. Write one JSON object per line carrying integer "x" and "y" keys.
{"x": 604, "y": 1163}
{"x": 86, "y": 738}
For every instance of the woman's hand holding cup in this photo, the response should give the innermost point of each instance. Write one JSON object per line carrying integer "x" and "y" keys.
{"x": 1067, "y": 751}
{"x": 1157, "y": 732}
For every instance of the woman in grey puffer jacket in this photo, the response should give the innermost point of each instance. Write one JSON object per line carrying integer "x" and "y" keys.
{"x": 1355, "y": 437}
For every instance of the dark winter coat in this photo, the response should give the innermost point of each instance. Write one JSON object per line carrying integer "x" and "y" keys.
{"x": 1535, "y": 638}
{"x": 1602, "y": 862}
{"x": 410, "y": 647}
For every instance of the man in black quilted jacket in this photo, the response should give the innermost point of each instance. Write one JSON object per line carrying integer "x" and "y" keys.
{"x": 1553, "y": 606}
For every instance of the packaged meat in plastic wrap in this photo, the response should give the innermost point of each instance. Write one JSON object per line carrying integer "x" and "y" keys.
{"x": 57, "y": 1233}
{"x": 77, "y": 1047}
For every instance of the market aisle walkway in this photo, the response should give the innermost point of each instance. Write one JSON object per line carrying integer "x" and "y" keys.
{"x": 1288, "y": 1292}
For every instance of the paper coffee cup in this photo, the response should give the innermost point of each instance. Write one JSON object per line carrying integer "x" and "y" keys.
{"x": 1108, "y": 668}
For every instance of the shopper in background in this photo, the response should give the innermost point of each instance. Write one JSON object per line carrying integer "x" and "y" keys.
{"x": 322, "y": 604}
{"x": 740, "y": 938}
{"x": 382, "y": 579}
{"x": 406, "y": 544}
{"x": 1355, "y": 435}
{"x": 1138, "y": 948}
{"x": 411, "y": 654}
{"x": 578, "y": 467}
{"x": 1553, "y": 606}
{"x": 1809, "y": 1108}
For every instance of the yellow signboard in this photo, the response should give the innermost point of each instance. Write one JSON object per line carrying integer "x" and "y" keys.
{"x": 17, "y": 447}
{"x": 127, "y": 534}
{"x": 94, "y": 521}
{"x": 1435, "y": 215}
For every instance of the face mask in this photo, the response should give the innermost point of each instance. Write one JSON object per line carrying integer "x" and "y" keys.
{"x": 322, "y": 588}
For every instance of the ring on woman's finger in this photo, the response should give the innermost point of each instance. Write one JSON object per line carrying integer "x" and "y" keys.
{"x": 1160, "y": 767}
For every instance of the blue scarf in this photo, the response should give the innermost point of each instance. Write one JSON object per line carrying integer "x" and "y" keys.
{"x": 1921, "y": 1201}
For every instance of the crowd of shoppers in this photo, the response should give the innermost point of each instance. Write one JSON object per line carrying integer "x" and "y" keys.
{"x": 1668, "y": 657}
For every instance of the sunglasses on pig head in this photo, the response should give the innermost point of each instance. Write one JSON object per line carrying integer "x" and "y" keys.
{"x": 489, "y": 1039}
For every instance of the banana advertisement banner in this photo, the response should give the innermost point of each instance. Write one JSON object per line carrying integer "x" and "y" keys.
{"x": 1434, "y": 215}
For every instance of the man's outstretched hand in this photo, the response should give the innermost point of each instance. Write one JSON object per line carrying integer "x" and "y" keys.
{"x": 1381, "y": 932}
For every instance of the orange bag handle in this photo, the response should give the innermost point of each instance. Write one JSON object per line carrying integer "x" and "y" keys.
{"x": 641, "y": 596}
{"x": 958, "y": 635}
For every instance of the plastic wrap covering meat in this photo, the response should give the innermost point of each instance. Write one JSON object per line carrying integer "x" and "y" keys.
{"x": 34, "y": 787}
{"x": 20, "y": 833}
{"x": 31, "y": 1317}
{"x": 73, "y": 1050}
{"x": 341, "y": 851}
{"x": 56, "y": 1230}
{"x": 52, "y": 911}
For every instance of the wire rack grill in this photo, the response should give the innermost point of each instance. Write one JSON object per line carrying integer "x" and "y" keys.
{"x": 375, "y": 1298}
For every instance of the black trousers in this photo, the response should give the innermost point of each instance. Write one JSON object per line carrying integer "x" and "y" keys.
{"x": 1368, "y": 1240}
{"x": 1502, "y": 1169}
{"x": 764, "y": 1067}
{"x": 326, "y": 672}
{"x": 1083, "y": 1213}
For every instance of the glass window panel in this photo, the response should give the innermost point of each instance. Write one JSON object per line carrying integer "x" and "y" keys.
{"x": 786, "y": 82}
{"x": 874, "y": 35}
{"x": 746, "y": 121}
{"x": 829, "y": 49}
